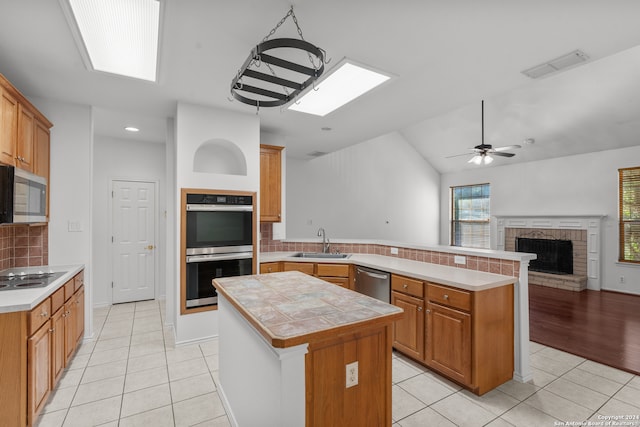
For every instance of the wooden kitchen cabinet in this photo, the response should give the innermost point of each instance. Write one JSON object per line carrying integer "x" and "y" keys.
{"x": 24, "y": 132}
{"x": 338, "y": 274}
{"x": 8, "y": 125}
{"x": 449, "y": 342}
{"x": 58, "y": 356}
{"x": 70, "y": 340}
{"x": 270, "y": 183}
{"x": 305, "y": 267}
{"x": 409, "y": 332}
{"x": 270, "y": 267}
{"x": 34, "y": 352}
{"x": 39, "y": 374}
{"x": 78, "y": 326}
{"x": 470, "y": 335}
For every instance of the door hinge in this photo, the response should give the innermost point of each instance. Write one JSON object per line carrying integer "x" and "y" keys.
{"x": 111, "y": 239}
{"x": 112, "y": 194}
{"x": 112, "y": 284}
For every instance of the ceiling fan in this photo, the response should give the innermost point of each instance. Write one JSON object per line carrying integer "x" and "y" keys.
{"x": 483, "y": 152}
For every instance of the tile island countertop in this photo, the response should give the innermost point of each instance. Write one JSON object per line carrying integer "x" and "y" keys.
{"x": 292, "y": 308}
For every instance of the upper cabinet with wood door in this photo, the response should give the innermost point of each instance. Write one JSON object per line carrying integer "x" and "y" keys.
{"x": 8, "y": 126}
{"x": 270, "y": 183}
{"x": 24, "y": 132}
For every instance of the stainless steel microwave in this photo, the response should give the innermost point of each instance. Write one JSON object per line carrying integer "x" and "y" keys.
{"x": 23, "y": 196}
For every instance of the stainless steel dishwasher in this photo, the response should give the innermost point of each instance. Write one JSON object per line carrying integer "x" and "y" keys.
{"x": 374, "y": 283}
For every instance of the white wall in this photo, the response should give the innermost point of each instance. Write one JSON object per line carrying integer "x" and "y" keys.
{"x": 128, "y": 160}
{"x": 585, "y": 184}
{"x": 380, "y": 189}
{"x": 195, "y": 125}
{"x": 70, "y": 189}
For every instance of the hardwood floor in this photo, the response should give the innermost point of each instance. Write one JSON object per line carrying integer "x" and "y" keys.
{"x": 600, "y": 326}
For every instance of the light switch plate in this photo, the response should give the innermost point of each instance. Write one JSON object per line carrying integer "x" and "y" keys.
{"x": 394, "y": 251}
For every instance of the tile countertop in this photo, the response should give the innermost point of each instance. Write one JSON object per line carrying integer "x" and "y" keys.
{"x": 292, "y": 308}
{"x": 462, "y": 278}
{"x": 27, "y": 299}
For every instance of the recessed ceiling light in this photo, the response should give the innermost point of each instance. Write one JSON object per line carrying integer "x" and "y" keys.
{"x": 131, "y": 129}
{"x": 120, "y": 36}
{"x": 345, "y": 82}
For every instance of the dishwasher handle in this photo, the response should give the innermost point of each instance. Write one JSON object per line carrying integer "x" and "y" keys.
{"x": 374, "y": 275}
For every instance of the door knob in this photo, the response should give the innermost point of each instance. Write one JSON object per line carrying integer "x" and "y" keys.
{"x": 150, "y": 247}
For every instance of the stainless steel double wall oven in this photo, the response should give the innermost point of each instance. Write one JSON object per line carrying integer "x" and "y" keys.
{"x": 219, "y": 242}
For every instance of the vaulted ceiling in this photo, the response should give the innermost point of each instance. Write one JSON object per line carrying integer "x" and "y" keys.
{"x": 446, "y": 55}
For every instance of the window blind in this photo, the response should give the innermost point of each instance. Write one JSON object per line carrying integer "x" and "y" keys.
{"x": 470, "y": 214}
{"x": 629, "y": 214}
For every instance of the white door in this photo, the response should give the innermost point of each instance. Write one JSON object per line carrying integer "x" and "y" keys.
{"x": 133, "y": 240}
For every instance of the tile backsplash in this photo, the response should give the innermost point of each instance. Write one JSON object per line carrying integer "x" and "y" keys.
{"x": 480, "y": 263}
{"x": 24, "y": 245}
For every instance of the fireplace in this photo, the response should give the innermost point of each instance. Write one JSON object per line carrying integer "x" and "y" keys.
{"x": 555, "y": 256}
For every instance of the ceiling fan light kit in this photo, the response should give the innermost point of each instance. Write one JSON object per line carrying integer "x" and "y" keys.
{"x": 259, "y": 89}
{"x": 483, "y": 152}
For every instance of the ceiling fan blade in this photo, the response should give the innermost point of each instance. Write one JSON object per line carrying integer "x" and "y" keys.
{"x": 507, "y": 147}
{"x": 458, "y": 155}
{"x": 499, "y": 153}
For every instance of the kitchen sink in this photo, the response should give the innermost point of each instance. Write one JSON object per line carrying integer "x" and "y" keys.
{"x": 320, "y": 255}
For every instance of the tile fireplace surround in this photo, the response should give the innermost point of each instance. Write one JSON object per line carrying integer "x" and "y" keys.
{"x": 583, "y": 231}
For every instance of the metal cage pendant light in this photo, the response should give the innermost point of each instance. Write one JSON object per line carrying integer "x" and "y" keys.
{"x": 260, "y": 89}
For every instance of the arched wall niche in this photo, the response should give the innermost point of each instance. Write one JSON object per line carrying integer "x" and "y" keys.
{"x": 220, "y": 156}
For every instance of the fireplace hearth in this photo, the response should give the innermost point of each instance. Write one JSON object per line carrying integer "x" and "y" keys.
{"x": 555, "y": 256}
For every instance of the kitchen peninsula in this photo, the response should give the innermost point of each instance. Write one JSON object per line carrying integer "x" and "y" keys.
{"x": 296, "y": 350}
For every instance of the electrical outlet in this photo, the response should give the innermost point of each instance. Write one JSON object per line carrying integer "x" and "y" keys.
{"x": 621, "y": 279}
{"x": 352, "y": 374}
{"x": 394, "y": 251}
{"x": 460, "y": 259}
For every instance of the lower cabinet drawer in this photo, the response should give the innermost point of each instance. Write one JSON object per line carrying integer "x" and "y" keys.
{"x": 305, "y": 267}
{"x": 456, "y": 298}
{"x": 39, "y": 315}
{"x": 333, "y": 270}
{"x": 408, "y": 286}
{"x": 340, "y": 281}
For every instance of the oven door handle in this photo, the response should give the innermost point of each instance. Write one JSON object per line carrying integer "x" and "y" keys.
{"x": 220, "y": 208}
{"x": 219, "y": 257}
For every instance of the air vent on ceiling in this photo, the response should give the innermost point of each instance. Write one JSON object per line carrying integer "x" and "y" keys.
{"x": 316, "y": 154}
{"x": 557, "y": 64}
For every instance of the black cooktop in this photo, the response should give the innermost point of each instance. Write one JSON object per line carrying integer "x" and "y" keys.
{"x": 13, "y": 280}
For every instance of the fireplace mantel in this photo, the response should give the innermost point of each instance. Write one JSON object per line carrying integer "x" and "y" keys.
{"x": 591, "y": 223}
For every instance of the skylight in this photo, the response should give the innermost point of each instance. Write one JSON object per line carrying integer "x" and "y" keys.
{"x": 345, "y": 83}
{"x": 120, "y": 36}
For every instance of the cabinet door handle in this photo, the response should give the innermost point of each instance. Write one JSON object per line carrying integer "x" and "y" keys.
{"x": 52, "y": 330}
{"x": 428, "y": 311}
{"x": 44, "y": 314}
{"x": 419, "y": 308}
{"x": 405, "y": 286}
{"x": 446, "y": 296}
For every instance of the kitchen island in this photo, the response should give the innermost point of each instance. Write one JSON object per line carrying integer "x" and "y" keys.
{"x": 296, "y": 350}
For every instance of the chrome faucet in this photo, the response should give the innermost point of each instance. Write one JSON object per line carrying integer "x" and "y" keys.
{"x": 325, "y": 240}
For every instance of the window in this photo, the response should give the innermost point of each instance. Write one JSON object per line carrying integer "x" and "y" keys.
{"x": 470, "y": 216}
{"x": 629, "y": 200}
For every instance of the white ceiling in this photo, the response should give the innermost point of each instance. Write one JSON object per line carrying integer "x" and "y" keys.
{"x": 447, "y": 56}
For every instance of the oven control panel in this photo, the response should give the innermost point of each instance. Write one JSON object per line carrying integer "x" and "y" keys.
{"x": 218, "y": 199}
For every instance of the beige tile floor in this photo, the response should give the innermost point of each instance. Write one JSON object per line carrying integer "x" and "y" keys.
{"x": 134, "y": 375}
